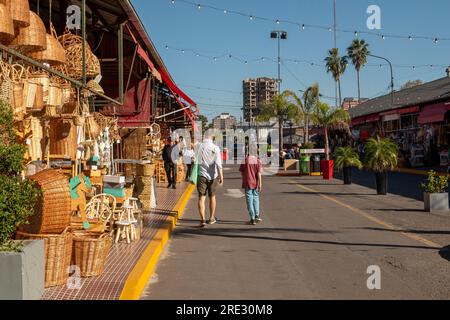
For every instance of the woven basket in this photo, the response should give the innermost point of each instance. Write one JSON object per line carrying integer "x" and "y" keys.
{"x": 54, "y": 54}
{"x": 20, "y": 13}
{"x": 54, "y": 94}
{"x": 6, "y": 24}
{"x": 18, "y": 101}
{"x": 31, "y": 38}
{"x": 58, "y": 254}
{"x": 29, "y": 94}
{"x": 53, "y": 208}
{"x": 145, "y": 170}
{"x": 43, "y": 79}
{"x": 90, "y": 252}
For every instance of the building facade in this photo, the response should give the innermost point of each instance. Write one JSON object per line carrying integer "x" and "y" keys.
{"x": 350, "y": 103}
{"x": 257, "y": 92}
{"x": 224, "y": 121}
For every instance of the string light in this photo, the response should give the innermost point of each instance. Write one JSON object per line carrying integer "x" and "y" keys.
{"x": 296, "y": 61}
{"x": 318, "y": 27}
{"x": 356, "y": 33}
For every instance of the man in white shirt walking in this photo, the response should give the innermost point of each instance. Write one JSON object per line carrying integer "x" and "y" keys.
{"x": 210, "y": 176}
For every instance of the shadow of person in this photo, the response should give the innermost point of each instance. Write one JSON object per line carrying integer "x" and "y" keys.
{"x": 445, "y": 253}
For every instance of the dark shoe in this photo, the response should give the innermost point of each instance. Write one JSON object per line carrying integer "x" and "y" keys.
{"x": 202, "y": 224}
{"x": 174, "y": 187}
{"x": 169, "y": 185}
{"x": 252, "y": 222}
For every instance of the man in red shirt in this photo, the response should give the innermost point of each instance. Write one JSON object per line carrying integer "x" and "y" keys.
{"x": 252, "y": 183}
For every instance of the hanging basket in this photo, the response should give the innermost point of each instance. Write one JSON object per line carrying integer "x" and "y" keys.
{"x": 58, "y": 255}
{"x": 42, "y": 78}
{"x": 20, "y": 13}
{"x": 6, "y": 23}
{"x": 90, "y": 252}
{"x": 39, "y": 97}
{"x": 54, "y": 54}
{"x": 32, "y": 38}
{"x": 54, "y": 94}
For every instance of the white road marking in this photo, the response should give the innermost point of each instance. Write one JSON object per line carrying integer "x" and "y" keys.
{"x": 234, "y": 193}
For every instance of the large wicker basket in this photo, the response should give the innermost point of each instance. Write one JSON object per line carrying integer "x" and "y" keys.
{"x": 31, "y": 38}
{"x": 90, "y": 251}
{"x": 53, "y": 209}
{"x": 20, "y": 13}
{"x": 58, "y": 254}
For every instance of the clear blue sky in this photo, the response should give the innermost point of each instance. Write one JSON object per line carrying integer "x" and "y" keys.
{"x": 214, "y": 33}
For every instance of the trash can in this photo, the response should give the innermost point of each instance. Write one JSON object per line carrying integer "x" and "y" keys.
{"x": 305, "y": 164}
{"x": 316, "y": 164}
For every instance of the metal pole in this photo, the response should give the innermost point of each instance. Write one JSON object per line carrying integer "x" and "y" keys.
{"x": 120, "y": 64}
{"x": 279, "y": 62}
{"x": 392, "y": 75}
{"x": 83, "y": 32}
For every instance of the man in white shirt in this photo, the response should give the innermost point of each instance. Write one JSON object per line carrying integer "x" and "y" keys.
{"x": 188, "y": 157}
{"x": 210, "y": 175}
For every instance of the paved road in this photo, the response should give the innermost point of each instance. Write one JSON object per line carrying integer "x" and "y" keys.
{"x": 310, "y": 246}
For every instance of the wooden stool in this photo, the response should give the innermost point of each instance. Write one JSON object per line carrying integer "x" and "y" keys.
{"x": 126, "y": 225}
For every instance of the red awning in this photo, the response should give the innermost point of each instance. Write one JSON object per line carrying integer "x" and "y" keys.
{"x": 358, "y": 121}
{"x": 433, "y": 113}
{"x": 415, "y": 109}
{"x": 373, "y": 118}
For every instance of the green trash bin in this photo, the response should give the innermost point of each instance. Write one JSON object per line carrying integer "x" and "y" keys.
{"x": 305, "y": 164}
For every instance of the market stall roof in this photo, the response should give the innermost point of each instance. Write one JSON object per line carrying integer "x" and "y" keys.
{"x": 421, "y": 94}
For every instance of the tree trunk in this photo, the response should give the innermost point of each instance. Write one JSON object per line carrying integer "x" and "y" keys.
{"x": 327, "y": 145}
{"x": 307, "y": 129}
{"x": 359, "y": 87}
{"x": 340, "y": 94}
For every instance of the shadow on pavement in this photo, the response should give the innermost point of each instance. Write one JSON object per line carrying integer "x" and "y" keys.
{"x": 329, "y": 193}
{"x": 442, "y": 232}
{"x": 445, "y": 253}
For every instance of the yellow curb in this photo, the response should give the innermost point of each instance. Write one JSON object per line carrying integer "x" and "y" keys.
{"x": 142, "y": 271}
{"x": 387, "y": 225}
{"x": 418, "y": 172}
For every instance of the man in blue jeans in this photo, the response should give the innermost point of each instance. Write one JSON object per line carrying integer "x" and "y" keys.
{"x": 252, "y": 183}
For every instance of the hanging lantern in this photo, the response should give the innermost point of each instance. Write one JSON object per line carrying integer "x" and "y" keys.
{"x": 6, "y": 23}
{"x": 31, "y": 38}
{"x": 54, "y": 54}
{"x": 20, "y": 13}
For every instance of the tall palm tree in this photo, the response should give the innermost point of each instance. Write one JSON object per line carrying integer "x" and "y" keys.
{"x": 336, "y": 65}
{"x": 326, "y": 117}
{"x": 307, "y": 106}
{"x": 358, "y": 52}
{"x": 281, "y": 109}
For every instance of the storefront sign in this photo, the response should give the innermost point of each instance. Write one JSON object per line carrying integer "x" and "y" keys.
{"x": 73, "y": 21}
{"x": 312, "y": 151}
{"x": 391, "y": 117}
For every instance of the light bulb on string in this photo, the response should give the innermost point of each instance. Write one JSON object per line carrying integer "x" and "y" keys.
{"x": 199, "y": 6}
{"x": 303, "y": 26}
{"x": 356, "y": 34}
{"x": 329, "y": 29}
{"x": 436, "y": 40}
{"x": 277, "y": 21}
{"x": 410, "y": 38}
{"x": 251, "y": 17}
{"x": 173, "y": 1}
{"x": 383, "y": 37}
{"x": 225, "y": 11}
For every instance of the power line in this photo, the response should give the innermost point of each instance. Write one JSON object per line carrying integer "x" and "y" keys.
{"x": 304, "y": 26}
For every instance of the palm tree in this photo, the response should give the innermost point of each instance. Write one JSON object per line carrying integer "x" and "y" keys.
{"x": 358, "y": 52}
{"x": 336, "y": 65}
{"x": 307, "y": 106}
{"x": 327, "y": 117}
{"x": 281, "y": 109}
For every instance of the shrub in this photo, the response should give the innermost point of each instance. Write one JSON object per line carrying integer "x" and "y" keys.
{"x": 435, "y": 183}
{"x": 381, "y": 154}
{"x": 346, "y": 157}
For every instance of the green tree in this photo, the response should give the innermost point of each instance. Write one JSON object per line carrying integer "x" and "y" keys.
{"x": 280, "y": 108}
{"x": 326, "y": 117}
{"x": 17, "y": 196}
{"x": 204, "y": 121}
{"x": 307, "y": 106}
{"x": 336, "y": 65}
{"x": 345, "y": 157}
{"x": 381, "y": 154}
{"x": 358, "y": 52}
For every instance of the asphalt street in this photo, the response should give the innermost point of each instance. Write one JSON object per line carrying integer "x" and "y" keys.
{"x": 318, "y": 240}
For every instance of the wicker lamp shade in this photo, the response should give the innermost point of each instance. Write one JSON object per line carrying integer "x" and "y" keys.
{"x": 20, "y": 13}
{"x": 6, "y": 23}
{"x": 32, "y": 38}
{"x": 54, "y": 54}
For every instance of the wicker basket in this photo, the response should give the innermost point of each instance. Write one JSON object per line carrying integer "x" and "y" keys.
{"x": 54, "y": 54}
{"x": 145, "y": 170}
{"x": 54, "y": 94}
{"x": 20, "y": 13}
{"x": 31, "y": 38}
{"x": 53, "y": 208}
{"x": 58, "y": 254}
{"x": 6, "y": 24}
{"x": 90, "y": 251}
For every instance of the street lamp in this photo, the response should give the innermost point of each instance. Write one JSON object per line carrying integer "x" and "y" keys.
{"x": 290, "y": 131}
{"x": 279, "y": 35}
{"x": 392, "y": 75}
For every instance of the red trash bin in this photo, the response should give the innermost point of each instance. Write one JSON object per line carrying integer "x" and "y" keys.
{"x": 327, "y": 169}
{"x": 225, "y": 155}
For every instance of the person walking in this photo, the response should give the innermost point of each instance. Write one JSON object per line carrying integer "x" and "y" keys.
{"x": 170, "y": 165}
{"x": 251, "y": 172}
{"x": 188, "y": 157}
{"x": 210, "y": 176}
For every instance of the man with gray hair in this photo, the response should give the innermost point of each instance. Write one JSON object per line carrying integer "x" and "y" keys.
{"x": 210, "y": 176}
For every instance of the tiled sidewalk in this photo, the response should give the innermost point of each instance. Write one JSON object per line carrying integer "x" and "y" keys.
{"x": 122, "y": 257}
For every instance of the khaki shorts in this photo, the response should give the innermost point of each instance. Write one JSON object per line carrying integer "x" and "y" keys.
{"x": 205, "y": 186}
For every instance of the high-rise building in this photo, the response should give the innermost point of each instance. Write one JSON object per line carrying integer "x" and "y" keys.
{"x": 257, "y": 92}
{"x": 224, "y": 121}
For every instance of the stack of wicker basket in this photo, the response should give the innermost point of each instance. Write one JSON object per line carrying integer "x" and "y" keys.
{"x": 50, "y": 223}
{"x": 144, "y": 184}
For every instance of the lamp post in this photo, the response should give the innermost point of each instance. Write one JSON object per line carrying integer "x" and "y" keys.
{"x": 290, "y": 132}
{"x": 279, "y": 35}
{"x": 392, "y": 75}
